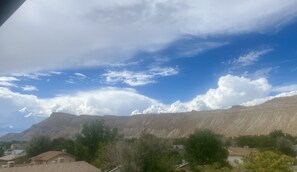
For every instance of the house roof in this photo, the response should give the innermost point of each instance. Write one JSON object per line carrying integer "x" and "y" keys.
{"x": 238, "y": 151}
{"x": 49, "y": 155}
{"x": 9, "y": 157}
{"x": 79, "y": 166}
{"x": 17, "y": 152}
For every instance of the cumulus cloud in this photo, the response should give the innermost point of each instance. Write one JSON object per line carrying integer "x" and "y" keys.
{"x": 133, "y": 78}
{"x": 231, "y": 90}
{"x": 72, "y": 33}
{"x": 106, "y": 101}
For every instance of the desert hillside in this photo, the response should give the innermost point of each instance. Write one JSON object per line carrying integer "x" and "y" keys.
{"x": 280, "y": 113}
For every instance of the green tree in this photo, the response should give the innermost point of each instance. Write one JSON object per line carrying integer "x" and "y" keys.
{"x": 276, "y": 134}
{"x": 1, "y": 151}
{"x": 268, "y": 161}
{"x": 60, "y": 144}
{"x": 146, "y": 154}
{"x": 93, "y": 134}
{"x": 38, "y": 145}
{"x": 155, "y": 154}
{"x": 285, "y": 146}
{"x": 203, "y": 147}
{"x": 275, "y": 141}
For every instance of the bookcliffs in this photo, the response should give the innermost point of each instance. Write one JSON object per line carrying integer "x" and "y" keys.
{"x": 279, "y": 113}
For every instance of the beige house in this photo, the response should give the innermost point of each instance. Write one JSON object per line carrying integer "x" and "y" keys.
{"x": 237, "y": 153}
{"x": 79, "y": 166}
{"x": 52, "y": 157}
{"x": 13, "y": 156}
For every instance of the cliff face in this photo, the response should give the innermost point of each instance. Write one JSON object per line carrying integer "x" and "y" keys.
{"x": 279, "y": 114}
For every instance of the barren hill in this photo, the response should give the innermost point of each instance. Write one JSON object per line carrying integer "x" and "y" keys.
{"x": 280, "y": 113}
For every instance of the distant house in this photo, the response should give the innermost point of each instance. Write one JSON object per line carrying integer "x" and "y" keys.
{"x": 237, "y": 153}
{"x": 15, "y": 154}
{"x": 79, "y": 166}
{"x": 52, "y": 157}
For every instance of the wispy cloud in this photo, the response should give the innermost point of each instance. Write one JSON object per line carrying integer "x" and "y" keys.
{"x": 29, "y": 88}
{"x": 133, "y": 78}
{"x": 264, "y": 72}
{"x": 285, "y": 88}
{"x": 80, "y": 75}
{"x": 36, "y": 75}
{"x": 250, "y": 58}
{"x": 8, "y": 81}
{"x": 76, "y": 77}
{"x": 190, "y": 50}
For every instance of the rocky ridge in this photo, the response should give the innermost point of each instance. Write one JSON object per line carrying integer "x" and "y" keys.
{"x": 280, "y": 113}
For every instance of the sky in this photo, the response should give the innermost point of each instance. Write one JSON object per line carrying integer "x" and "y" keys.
{"x": 138, "y": 57}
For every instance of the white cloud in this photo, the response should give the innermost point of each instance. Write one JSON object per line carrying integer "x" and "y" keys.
{"x": 80, "y": 75}
{"x": 231, "y": 90}
{"x": 81, "y": 33}
{"x": 106, "y": 101}
{"x": 265, "y": 99}
{"x": 8, "y": 81}
{"x": 285, "y": 88}
{"x": 250, "y": 58}
{"x": 189, "y": 50}
{"x": 77, "y": 77}
{"x": 29, "y": 88}
{"x": 36, "y": 75}
{"x": 138, "y": 78}
{"x": 261, "y": 73}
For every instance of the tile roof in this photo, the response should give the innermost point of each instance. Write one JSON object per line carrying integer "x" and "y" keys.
{"x": 49, "y": 155}
{"x": 79, "y": 166}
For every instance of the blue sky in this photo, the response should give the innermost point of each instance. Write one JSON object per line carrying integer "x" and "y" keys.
{"x": 138, "y": 57}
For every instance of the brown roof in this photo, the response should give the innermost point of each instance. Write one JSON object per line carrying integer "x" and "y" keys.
{"x": 49, "y": 155}
{"x": 79, "y": 166}
{"x": 238, "y": 151}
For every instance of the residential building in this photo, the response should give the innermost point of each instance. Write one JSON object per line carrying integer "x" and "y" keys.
{"x": 15, "y": 154}
{"x": 79, "y": 166}
{"x": 53, "y": 157}
{"x": 236, "y": 154}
